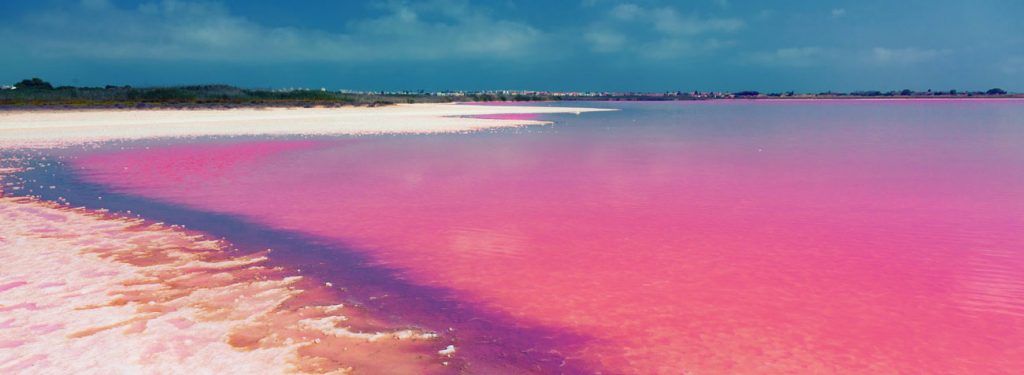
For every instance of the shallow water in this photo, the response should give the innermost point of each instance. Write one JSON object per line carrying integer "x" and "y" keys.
{"x": 764, "y": 236}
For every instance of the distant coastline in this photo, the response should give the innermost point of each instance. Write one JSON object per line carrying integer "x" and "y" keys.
{"x": 36, "y": 93}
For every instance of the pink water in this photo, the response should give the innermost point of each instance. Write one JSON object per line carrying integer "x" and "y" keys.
{"x": 752, "y": 237}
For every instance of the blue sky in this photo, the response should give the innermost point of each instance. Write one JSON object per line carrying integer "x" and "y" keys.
{"x": 549, "y": 45}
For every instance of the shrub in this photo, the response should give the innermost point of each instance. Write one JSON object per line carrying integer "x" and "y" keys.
{"x": 33, "y": 84}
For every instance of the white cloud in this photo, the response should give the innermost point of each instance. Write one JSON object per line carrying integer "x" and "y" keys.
{"x": 658, "y": 33}
{"x": 669, "y": 48}
{"x": 668, "y": 21}
{"x": 95, "y": 4}
{"x": 818, "y": 56}
{"x": 467, "y": 32}
{"x": 605, "y": 40}
{"x": 627, "y": 12}
{"x": 764, "y": 14}
{"x": 904, "y": 56}
{"x": 176, "y": 30}
{"x": 838, "y": 12}
{"x": 1013, "y": 65}
{"x": 796, "y": 56}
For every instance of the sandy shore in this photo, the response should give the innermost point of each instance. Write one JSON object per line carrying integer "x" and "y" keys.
{"x": 78, "y": 287}
{"x": 55, "y": 128}
{"x": 85, "y": 291}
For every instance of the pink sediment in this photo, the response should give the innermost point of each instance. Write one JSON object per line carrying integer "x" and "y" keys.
{"x": 76, "y": 287}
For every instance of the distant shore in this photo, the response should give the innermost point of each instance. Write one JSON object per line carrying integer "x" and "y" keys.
{"x": 36, "y": 93}
{"x": 400, "y": 100}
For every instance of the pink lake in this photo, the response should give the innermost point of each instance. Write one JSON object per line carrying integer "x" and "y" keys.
{"x": 702, "y": 237}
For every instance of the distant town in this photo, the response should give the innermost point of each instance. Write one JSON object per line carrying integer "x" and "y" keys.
{"x": 36, "y": 92}
{"x": 704, "y": 95}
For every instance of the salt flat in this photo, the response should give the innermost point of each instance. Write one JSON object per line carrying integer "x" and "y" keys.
{"x": 45, "y": 128}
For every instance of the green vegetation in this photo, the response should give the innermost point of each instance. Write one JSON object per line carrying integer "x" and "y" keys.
{"x": 35, "y": 92}
{"x": 33, "y": 84}
{"x": 38, "y": 93}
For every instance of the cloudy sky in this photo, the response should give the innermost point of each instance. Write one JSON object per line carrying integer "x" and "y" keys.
{"x": 548, "y": 44}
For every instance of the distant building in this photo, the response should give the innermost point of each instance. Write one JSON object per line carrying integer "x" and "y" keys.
{"x": 6, "y": 87}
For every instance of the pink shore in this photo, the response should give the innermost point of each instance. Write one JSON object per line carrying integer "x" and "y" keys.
{"x": 78, "y": 285}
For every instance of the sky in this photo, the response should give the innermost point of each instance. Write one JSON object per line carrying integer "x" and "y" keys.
{"x": 706, "y": 45}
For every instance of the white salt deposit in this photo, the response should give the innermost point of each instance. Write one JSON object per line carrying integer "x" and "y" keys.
{"x": 56, "y": 128}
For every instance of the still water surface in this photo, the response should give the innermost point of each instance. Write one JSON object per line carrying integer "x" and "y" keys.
{"x": 709, "y": 237}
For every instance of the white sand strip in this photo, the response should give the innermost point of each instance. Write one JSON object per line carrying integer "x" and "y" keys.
{"x": 41, "y": 128}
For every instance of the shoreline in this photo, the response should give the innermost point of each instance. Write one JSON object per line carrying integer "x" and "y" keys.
{"x": 77, "y": 284}
{"x": 221, "y": 106}
{"x": 41, "y": 129}
{"x": 80, "y": 284}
